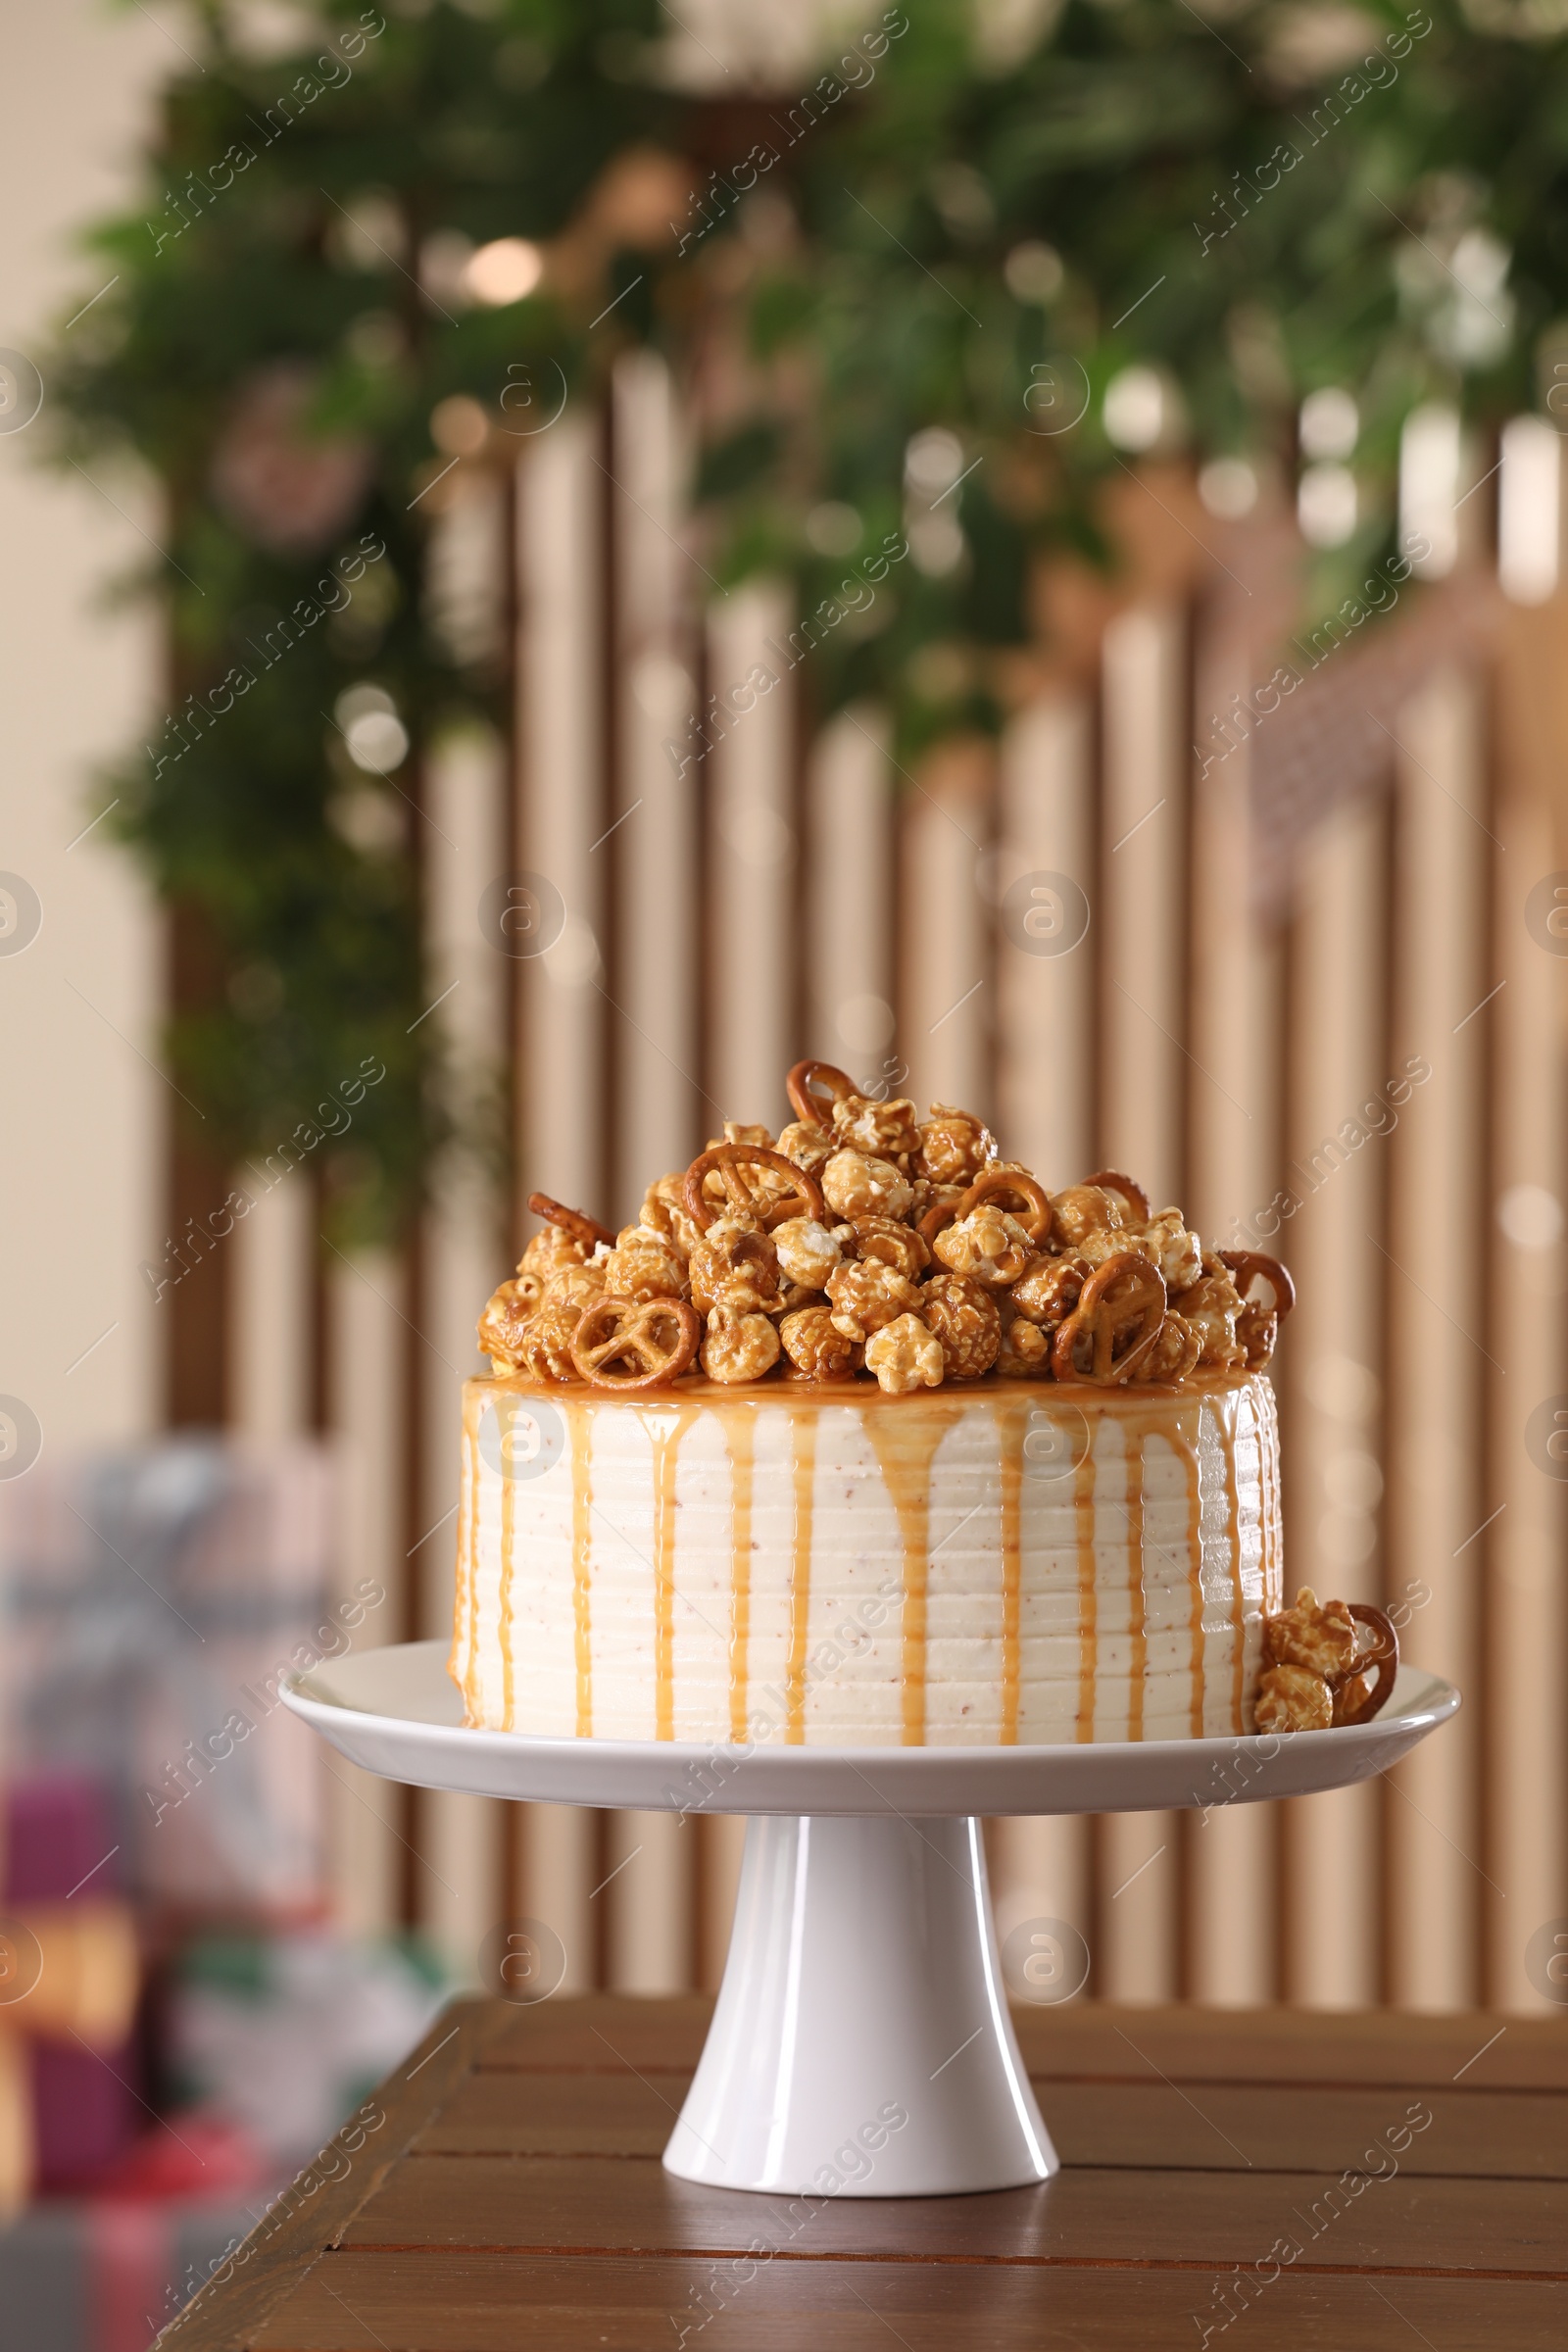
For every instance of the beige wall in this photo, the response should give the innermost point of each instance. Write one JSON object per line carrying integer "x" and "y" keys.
{"x": 81, "y": 1113}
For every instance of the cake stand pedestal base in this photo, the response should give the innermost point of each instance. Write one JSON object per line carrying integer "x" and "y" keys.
{"x": 861, "y": 2045}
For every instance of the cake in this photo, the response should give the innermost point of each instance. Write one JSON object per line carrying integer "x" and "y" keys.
{"x": 859, "y": 1438}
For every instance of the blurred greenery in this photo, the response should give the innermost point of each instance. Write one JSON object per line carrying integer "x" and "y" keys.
{"x": 979, "y": 218}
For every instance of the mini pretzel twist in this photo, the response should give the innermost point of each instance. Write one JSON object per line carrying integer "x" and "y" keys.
{"x": 803, "y": 1199}
{"x": 576, "y": 1221}
{"x": 815, "y": 1106}
{"x": 1119, "y": 1313}
{"x": 1247, "y": 1264}
{"x": 1109, "y": 1181}
{"x": 1383, "y": 1655}
{"x": 1008, "y": 1188}
{"x": 657, "y": 1338}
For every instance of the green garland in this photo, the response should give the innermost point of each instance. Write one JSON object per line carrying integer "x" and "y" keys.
{"x": 929, "y": 237}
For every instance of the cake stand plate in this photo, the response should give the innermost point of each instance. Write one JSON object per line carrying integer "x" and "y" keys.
{"x": 860, "y": 2044}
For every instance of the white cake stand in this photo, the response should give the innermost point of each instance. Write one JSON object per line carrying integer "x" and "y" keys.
{"x": 861, "y": 2045}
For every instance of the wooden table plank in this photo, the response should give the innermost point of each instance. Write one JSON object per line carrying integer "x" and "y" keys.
{"x": 496, "y": 2303}
{"x": 1149, "y": 2126}
{"x": 631, "y": 2204}
{"x": 503, "y": 2190}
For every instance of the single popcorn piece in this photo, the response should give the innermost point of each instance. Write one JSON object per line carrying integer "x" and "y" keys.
{"x": 502, "y": 1325}
{"x": 1175, "y": 1352}
{"x": 816, "y": 1346}
{"x": 1178, "y": 1254}
{"x": 1048, "y": 1294}
{"x": 906, "y": 1355}
{"x": 1086, "y": 1208}
{"x": 551, "y": 1249}
{"x": 1025, "y": 1350}
{"x": 643, "y": 1264}
{"x": 1213, "y": 1305}
{"x": 966, "y": 1321}
{"x": 1319, "y": 1634}
{"x": 664, "y": 1211}
{"x": 739, "y": 1346}
{"x": 866, "y": 1296}
{"x": 809, "y": 1146}
{"x": 736, "y": 1131}
{"x": 576, "y": 1286}
{"x": 857, "y": 1183}
{"x": 1293, "y": 1698}
{"x": 989, "y": 1244}
{"x": 884, "y": 1130}
{"x": 546, "y": 1341}
{"x": 734, "y": 1264}
{"x": 892, "y": 1244}
{"x": 1257, "y": 1331}
{"x": 808, "y": 1252}
{"x": 954, "y": 1147}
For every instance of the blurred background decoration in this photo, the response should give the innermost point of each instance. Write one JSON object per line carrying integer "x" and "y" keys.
{"x": 1016, "y": 547}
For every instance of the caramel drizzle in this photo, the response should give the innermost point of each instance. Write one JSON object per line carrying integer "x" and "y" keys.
{"x": 802, "y": 1445}
{"x": 1013, "y": 1418}
{"x": 1082, "y": 1504}
{"x": 740, "y": 1430}
{"x": 906, "y": 1447}
{"x": 509, "y": 1521}
{"x": 666, "y": 1432}
{"x": 1233, "y": 1537}
{"x": 1137, "y": 1607}
{"x": 582, "y": 1504}
{"x": 1183, "y": 1438}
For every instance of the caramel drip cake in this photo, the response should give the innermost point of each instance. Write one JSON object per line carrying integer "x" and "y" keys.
{"x": 861, "y": 1437}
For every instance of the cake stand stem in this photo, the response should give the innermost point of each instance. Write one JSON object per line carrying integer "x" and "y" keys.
{"x": 861, "y": 2045}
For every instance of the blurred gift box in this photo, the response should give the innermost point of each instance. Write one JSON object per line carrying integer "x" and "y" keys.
{"x": 152, "y": 1600}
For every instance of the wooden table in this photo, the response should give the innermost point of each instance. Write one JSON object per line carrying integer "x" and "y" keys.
{"x": 1272, "y": 2178}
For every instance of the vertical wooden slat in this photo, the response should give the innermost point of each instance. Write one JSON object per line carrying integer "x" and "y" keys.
{"x": 366, "y": 1415}
{"x": 1045, "y": 1109}
{"x": 271, "y": 1274}
{"x": 1232, "y": 1077}
{"x": 1142, "y": 974}
{"x": 659, "y": 1114}
{"x": 849, "y": 895}
{"x": 463, "y": 1261}
{"x": 1046, "y": 998}
{"x": 752, "y": 853}
{"x": 1526, "y": 1792}
{"x": 1438, "y": 1355}
{"x": 559, "y": 1013}
{"x": 944, "y": 945}
{"x": 1339, "y": 1116}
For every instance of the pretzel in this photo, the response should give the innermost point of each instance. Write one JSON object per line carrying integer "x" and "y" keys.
{"x": 937, "y": 1221}
{"x": 1383, "y": 1655}
{"x": 808, "y": 1105}
{"x": 659, "y": 1337}
{"x": 576, "y": 1221}
{"x": 1134, "y": 1195}
{"x": 1034, "y": 1216}
{"x": 1126, "y": 1295}
{"x": 803, "y": 1200}
{"x": 1245, "y": 1264}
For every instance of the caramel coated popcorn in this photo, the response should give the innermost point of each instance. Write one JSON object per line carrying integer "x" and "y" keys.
{"x": 865, "y": 1242}
{"x": 1329, "y": 1663}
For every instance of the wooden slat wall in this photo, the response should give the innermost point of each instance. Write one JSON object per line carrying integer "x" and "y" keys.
{"x": 781, "y": 896}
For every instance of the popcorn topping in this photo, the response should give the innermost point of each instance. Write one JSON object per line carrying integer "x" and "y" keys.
{"x": 865, "y": 1242}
